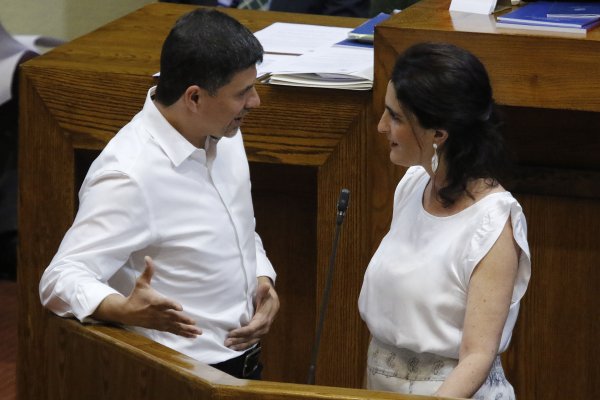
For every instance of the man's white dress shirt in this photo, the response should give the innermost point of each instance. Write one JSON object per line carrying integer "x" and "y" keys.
{"x": 151, "y": 192}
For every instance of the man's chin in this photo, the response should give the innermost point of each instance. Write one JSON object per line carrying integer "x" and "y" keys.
{"x": 233, "y": 128}
{"x": 231, "y": 133}
{"x": 227, "y": 135}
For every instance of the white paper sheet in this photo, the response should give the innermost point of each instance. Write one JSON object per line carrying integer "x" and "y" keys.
{"x": 473, "y": 6}
{"x": 332, "y": 60}
{"x": 271, "y": 61}
{"x": 285, "y": 38}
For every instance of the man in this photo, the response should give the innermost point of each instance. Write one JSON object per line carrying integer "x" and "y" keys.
{"x": 164, "y": 238}
{"x": 342, "y": 8}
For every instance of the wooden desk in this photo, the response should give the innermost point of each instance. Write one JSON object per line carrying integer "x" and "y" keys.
{"x": 549, "y": 89}
{"x": 303, "y": 144}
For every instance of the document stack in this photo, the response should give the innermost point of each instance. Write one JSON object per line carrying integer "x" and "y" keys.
{"x": 314, "y": 56}
{"x": 555, "y": 16}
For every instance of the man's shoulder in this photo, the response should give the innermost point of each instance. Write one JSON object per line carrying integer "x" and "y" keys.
{"x": 125, "y": 150}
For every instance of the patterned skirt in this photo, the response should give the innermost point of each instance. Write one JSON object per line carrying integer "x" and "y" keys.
{"x": 403, "y": 371}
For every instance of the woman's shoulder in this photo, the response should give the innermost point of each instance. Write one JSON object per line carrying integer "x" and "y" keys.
{"x": 415, "y": 171}
{"x": 413, "y": 179}
{"x": 491, "y": 215}
{"x": 413, "y": 176}
{"x": 494, "y": 204}
{"x": 483, "y": 196}
{"x": 491, "y": 212}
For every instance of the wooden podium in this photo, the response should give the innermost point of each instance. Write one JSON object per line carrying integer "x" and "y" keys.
{"x": 304, "y": 146}
{"x": 549, "y": 89}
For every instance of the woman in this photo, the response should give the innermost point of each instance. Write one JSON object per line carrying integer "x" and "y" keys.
{"x": 441, "y": 294}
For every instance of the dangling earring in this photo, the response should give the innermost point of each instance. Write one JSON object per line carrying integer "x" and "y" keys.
{"x": 434, "y": 160}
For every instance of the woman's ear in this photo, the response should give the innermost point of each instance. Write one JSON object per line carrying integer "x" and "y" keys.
{"x": 440, "y": 136}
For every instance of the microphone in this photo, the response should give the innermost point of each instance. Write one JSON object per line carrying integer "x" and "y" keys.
{"x": 342, "y": 206}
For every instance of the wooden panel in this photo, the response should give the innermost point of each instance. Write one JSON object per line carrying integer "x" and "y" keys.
{"x": 114, "y": 366}
{"x": 342, "y": 354}
{"x": 553, "y": 138}
{"x": 129, "y": 366}
{"x": 554, "y": 348}
{"x": 303, "y": 129}
{"x": 285, "y": 207}
{"x": 556, "y": 151}
{"x": 528, "y": 70}
{"x": 46, "y": 205}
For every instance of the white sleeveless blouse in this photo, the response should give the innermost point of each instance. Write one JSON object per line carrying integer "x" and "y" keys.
{"x": 414, "y": 293}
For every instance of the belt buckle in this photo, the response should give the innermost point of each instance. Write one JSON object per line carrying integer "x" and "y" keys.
{"x": 251, "y": 361}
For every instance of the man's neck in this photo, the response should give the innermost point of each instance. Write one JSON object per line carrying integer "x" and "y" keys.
{"x": 175, "y": 116}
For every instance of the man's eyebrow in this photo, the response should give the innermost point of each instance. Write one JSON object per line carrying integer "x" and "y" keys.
{"x": 246, "y": 89}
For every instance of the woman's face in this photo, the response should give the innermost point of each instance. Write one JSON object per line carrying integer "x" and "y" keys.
{"x": 407, "y": 146}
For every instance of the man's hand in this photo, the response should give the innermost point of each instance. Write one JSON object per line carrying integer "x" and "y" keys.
{"x": 147, "y": 308}
{"x": 267, "y": 306}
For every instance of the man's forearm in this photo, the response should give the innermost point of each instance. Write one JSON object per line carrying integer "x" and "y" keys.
{"x": 111, "y": 309}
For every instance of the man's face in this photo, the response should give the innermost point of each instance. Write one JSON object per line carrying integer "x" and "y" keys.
{"x": 222, "y": 114}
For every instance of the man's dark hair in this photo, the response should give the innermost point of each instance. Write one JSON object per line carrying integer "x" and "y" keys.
{"x": 446, "y": 87}
{"x": 205, "y": 48}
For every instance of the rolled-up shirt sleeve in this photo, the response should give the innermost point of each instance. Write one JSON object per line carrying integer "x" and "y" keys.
{"x": 263, "y": 265}
{"x": 112, "y": 222}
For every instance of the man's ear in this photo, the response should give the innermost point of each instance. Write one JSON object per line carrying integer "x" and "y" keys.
{"x": 192, "y": 97}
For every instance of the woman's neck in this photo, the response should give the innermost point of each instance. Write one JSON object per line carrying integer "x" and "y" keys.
{"x": 475, "y": 191}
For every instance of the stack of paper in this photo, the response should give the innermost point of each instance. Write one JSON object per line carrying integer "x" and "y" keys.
{"x": 312, "y": 56}
{"x": 337, "y": 67}
{"x": 565, "y": 17}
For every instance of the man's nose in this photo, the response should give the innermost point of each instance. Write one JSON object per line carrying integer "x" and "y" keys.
{"x": 253, "y": 100}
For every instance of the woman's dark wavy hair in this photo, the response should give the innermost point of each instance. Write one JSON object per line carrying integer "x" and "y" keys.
{"x": 446, "y": 87}
{"x": 205, "y": 48}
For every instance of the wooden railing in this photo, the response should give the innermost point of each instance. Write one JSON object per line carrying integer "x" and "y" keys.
{"x": 103, "y": 362}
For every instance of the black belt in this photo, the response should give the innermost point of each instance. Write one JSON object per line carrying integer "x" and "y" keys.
{"x": 245, "y": 366}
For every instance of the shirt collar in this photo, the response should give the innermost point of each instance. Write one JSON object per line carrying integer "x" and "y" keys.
{"x": 175, "y": 146}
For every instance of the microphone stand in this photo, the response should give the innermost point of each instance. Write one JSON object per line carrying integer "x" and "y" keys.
{"x": 341, "y": 213}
